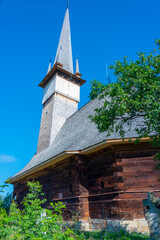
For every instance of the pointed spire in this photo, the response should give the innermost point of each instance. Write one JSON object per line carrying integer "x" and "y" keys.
{"x": 49, "y": 67}
{"x": 64, "y": 50}
{"x": 108, "y": 77}
{"x": 68, "y": 4}
{"x": 77, "y": 65}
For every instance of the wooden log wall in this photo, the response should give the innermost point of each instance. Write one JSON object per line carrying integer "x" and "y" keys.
{"x": 60, "y": 183}
{"x": 119, "y": 179}
{"x": 66, "y": 182}
{"x": 110, "y": 183}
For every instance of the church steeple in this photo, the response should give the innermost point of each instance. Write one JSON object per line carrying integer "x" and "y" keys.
{"x": 64, "y": 50}
{"x": 61, "y": 90}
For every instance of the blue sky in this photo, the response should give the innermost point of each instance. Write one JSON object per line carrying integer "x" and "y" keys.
{"x": 102, "y": 32}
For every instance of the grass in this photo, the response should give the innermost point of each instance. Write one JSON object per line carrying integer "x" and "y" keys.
{"x": 122, "y": 235}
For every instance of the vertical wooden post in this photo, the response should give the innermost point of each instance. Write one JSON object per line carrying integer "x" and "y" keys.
{"x": 82, "y": 176}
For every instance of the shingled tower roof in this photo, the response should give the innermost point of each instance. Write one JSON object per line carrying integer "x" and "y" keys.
{"x": 64, "y": 50}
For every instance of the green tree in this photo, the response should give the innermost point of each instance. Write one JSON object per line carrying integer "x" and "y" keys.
{"x": 134, "y": 95}
{"x": 5, "y": 201}
{"x": 34, "y": 222}
{"x": 4, "y": 185}
{"x": 37, "y": 223}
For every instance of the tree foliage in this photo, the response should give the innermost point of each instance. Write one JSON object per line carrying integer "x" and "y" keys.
{"x": 134, "y": 96}
{"x": 34, "y": 222}
{"x": 5, "y": 201}
{"x": 4, "y": 185}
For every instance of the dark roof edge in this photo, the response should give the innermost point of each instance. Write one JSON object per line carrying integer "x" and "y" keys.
{"x": 65, "y": 154}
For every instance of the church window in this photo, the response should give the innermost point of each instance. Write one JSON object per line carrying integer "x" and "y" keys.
{"x": 102, "y": 211}
{"x": 102, "y": 185}
{"x": 49, "y": 181}
{"x": 60, "y": 195}
{"x": 48, "y": 194}
{"x": 70, "y": 188}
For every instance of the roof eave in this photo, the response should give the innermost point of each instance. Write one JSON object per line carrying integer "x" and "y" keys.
{"x": 52, "y": 72}
{"x": 46, "y": 163}
{"x": 66, "y": 154}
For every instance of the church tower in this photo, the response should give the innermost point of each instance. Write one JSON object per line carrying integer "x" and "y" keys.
{"x": 61, "y": 89}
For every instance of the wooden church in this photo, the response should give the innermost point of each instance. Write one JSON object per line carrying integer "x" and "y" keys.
{"x": 102, "y": 179}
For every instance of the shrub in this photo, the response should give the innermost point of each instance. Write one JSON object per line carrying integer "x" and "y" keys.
{"x": 34, "y": 222}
